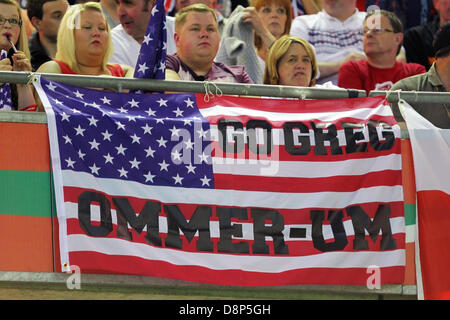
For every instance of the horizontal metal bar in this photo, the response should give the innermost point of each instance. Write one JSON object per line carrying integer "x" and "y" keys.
{"x": 224, "y": 88}
{"x": 23, "y": 117}
{"x": 119, "y": 280}
{"x": 185, "y": 86}
{"x": 414, "y": 96}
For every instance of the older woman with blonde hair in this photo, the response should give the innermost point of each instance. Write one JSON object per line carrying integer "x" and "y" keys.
{"x": 14, "y": 41}
{"x": 84, "y": 44}
{"x": 291, "y": 61}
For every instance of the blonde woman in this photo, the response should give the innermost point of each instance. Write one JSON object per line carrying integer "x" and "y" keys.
{"x": 14, "y": 40}
{"x": 291, "y": 61}
{"x": 84, "y": 44}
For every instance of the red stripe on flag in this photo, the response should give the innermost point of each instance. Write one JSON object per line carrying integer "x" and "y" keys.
{"x": 308, "y": 185}
{"x": 101, "y": 263}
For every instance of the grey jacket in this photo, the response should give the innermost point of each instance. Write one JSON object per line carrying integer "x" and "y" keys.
{"x": 237, "y": 48}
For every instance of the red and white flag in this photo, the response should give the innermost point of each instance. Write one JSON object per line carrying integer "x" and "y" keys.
{"x": 431, "y": 155}
{"x": 234, "y": 191}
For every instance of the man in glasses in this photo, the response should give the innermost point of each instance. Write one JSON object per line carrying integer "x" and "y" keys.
{"x": 382, "y": 41}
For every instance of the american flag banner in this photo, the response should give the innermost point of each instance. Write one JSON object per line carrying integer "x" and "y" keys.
{"x": 234, "y": 191}
{"x": 5, "y": 90}
{"x": 151, "y": 62}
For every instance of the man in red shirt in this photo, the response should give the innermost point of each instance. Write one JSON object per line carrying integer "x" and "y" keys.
{"x": 382, "y": 40}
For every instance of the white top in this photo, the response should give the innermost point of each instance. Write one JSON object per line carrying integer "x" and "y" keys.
{"x": 126, "y": 48}
{"x": 332, "y": 39}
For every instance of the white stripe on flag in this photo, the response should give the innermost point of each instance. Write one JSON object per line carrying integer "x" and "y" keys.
{"x": 57, "y": 176}
{"x": 307, "y": 169}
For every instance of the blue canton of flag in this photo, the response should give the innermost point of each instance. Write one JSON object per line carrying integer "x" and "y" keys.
{"x": 5, "y": 90}
{"x": 151, "y": 62}
{"x": 153, "y": 139}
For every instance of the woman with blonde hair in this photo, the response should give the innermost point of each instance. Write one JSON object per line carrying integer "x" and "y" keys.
{"x": 84, "y": 44}
{"x": 291, "y": 61}
{"x": 14, "y": 42}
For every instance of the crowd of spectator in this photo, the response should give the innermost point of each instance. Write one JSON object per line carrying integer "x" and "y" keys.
{"x": 353, "y": 44}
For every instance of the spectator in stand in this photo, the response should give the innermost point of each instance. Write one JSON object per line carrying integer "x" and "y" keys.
{"x": 197, "y": 40}
{"x": 292, "y": 62}
{"x": 335, "y": 33}
{"x": 270, "y": 20}
{"x": 109, "y": 8}
{"x": 418, "y": 40}
{"x": 18, "y": 54}
{"x": 180, "y": 4}
{"x": 382, "y": 40}
{"x": 45, "y": 15}
{"x": 84, "y": 44}
{"x": 134, "y": 16}
{"x": 437, "y": 79}
{"x": 261, "y": 24}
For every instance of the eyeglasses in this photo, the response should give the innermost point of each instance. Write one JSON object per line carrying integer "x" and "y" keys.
{"x": 376, "y": 31}
{"x": 12, "y": 21}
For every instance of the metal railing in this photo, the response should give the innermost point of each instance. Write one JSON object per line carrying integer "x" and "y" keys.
{"x": 115, "y": 83}
{"x": 185, "y": 86}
